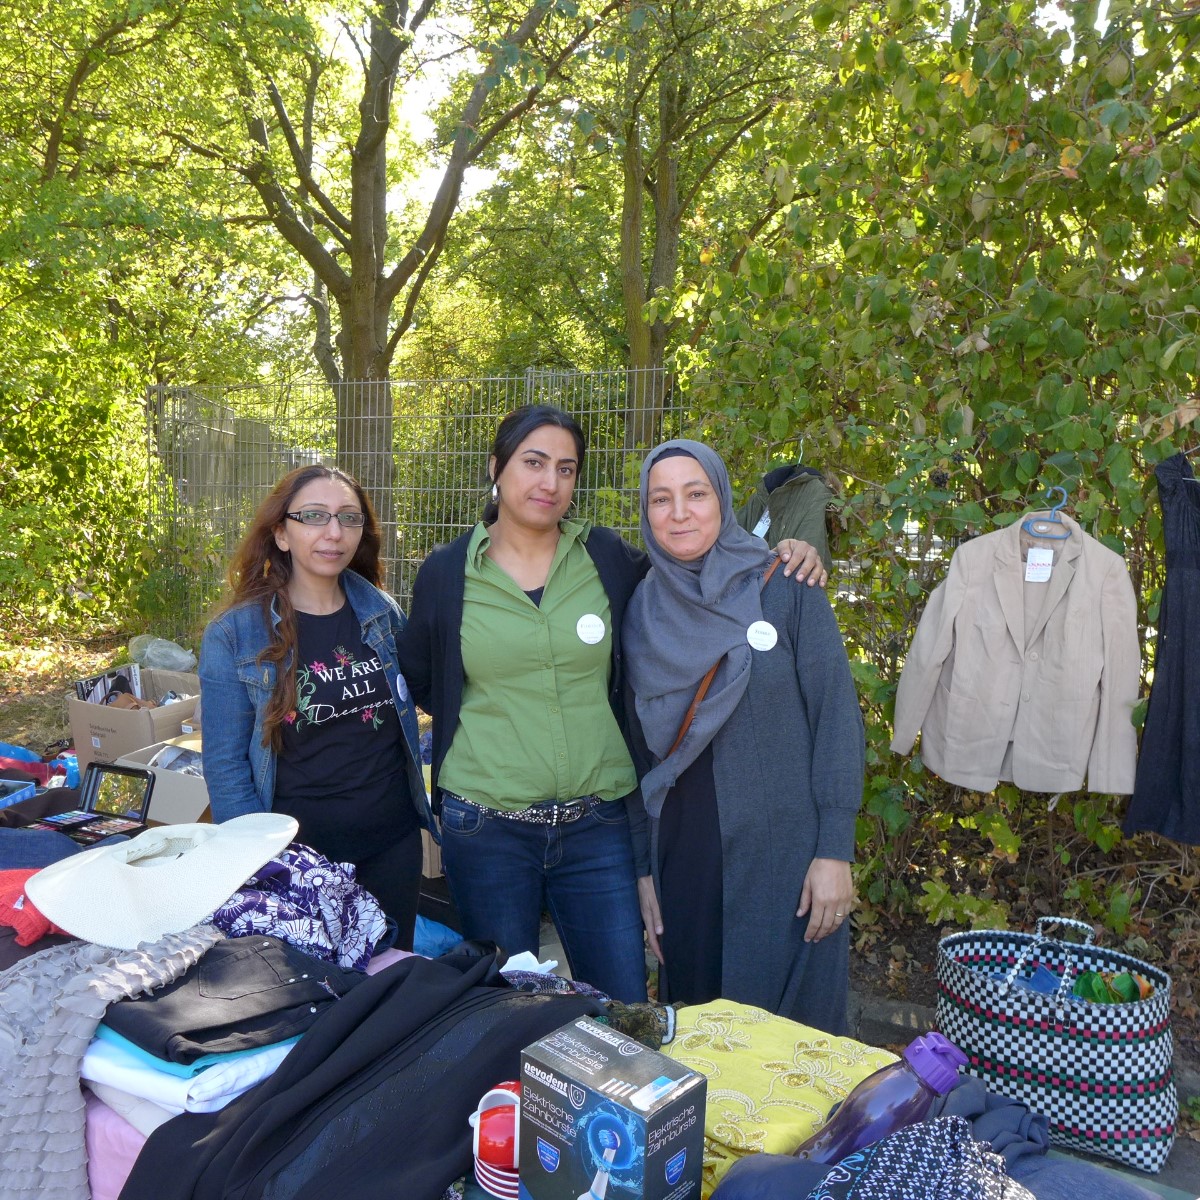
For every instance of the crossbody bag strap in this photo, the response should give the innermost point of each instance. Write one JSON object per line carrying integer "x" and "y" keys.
{"x": 706, "y": 682}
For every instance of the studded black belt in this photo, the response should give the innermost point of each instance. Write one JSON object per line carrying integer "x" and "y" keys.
{"x": 545, "y": 812}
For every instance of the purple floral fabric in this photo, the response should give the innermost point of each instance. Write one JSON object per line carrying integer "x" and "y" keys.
{"x": 311, "y": 903}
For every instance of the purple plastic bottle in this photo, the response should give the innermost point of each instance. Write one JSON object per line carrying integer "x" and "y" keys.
{"x": 897, "y": 1095}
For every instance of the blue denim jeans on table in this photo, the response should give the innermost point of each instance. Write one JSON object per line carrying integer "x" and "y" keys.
{"x": 24, "y": 849}
{"x": 503, "y": 873}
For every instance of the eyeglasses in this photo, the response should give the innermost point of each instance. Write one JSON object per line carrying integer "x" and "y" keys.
{"x": 318, "y": 516}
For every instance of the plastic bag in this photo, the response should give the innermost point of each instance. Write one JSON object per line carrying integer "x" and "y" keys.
{"x": 71, "y": 763}
{"x": 8, "y": 750}
{"x": 159, "y": 654}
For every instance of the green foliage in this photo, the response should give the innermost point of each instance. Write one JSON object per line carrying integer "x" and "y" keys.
{"x": 122, "y": 262}
{"x": 1112, "y": 905}
{"x": 983, "y": 281}
{"x": 181, "y": 576}
{"x": 975, "y": 262}
{"x": 634, "y": 179}
{"x": 943, "y": 904}
{"x": 71, "y": 494}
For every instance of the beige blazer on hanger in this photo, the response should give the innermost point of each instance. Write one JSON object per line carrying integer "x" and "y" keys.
{"x": 1025, "y": 682}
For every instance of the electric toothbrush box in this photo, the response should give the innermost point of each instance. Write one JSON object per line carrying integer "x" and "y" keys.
{"x": 605, "y": 1118}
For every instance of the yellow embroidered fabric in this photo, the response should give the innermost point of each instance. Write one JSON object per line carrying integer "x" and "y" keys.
{"x": 771, "y": 1081}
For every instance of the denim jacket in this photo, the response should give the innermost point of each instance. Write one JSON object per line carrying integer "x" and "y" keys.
{"x": 235, "y": 690}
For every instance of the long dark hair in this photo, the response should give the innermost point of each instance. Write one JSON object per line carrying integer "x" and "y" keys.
{"x": 260, "y": 572}
{"x": 516, "y": 427}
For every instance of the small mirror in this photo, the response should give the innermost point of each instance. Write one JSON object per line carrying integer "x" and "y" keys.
{"x": 114, "y": 791}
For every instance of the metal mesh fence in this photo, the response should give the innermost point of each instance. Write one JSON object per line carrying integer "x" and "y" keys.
{"x": 420, "y": 448}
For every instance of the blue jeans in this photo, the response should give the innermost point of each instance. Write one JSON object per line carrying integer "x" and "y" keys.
{"x": 28, "y": 848}
{"x": 503, "y": 873}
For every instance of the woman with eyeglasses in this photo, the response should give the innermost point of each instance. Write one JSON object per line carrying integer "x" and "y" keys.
{"x": 305, "y": 710}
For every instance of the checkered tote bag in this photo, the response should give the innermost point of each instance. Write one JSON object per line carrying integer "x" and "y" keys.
{"x": 1101, "y": 1073}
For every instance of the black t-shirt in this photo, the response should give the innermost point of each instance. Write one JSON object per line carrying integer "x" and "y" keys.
{"x": 340, "y": 771}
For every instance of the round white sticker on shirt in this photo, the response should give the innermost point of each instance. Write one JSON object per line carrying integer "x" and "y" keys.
{"x": 761, "y": 635}
{"x": 590, "y": 628}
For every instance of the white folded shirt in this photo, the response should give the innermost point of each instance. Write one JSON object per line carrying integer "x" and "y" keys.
{"x": 209, "y": 1091}
{"x": 144, "y": 1115}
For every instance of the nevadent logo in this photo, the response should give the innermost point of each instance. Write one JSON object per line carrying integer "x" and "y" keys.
{"x": 577, "y": 1096}
{"x": 674, "y": 1168}
{"x": 545, "y": 1077}
{"x": 548, "y": 1156}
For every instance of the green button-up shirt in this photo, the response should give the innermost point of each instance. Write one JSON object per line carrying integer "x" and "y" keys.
{"x": 535, "y": 722}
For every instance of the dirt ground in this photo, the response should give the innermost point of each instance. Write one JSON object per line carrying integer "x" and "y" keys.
{"x": 35, "y": 680}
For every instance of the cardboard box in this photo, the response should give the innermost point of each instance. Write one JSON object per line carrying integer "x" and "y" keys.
{"x": 102, "y": 733}
{"x": 604, "y": 1115}
{"x": 431, "y": 852}
{"x": 431, "y": 856}
{"x": 192, "y": 724}
{"x": 177, "y": 799}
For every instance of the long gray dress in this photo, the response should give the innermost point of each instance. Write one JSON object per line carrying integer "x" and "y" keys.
{"x": 788, "y": 773}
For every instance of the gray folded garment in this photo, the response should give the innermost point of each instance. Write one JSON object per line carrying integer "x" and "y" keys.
{"x": 1006, "y": 1125}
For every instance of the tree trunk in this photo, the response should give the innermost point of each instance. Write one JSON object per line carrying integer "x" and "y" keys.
{"x": 639, "y": 411}
{"x": 648, "y": 383}
{"x": 365, "y": 418}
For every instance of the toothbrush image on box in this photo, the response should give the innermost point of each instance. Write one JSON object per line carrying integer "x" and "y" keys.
{"x": 611, "y": 1143}
{"x": 645, "y": 1098}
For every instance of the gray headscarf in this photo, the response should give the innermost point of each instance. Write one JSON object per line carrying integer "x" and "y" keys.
{"x": 682, "y": 619}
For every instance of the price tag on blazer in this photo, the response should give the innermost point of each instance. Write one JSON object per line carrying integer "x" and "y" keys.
{"x": 1038, "y": 565}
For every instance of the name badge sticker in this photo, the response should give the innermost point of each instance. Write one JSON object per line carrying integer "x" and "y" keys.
{"x": 590, "y": 629}
{"x": 761, "y": 635}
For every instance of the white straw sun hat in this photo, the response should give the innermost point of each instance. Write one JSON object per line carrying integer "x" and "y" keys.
{"x": 162, "y": 881}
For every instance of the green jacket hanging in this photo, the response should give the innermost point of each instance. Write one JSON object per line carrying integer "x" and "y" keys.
{"x": 793, "y": 501}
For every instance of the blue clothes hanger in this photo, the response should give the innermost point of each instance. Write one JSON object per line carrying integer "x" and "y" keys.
{"x": 1045, "y": 527}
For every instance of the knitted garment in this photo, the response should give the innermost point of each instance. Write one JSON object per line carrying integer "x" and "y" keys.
{"x": 50, "y": 1005}
{"x": 650, "y": 1024}
{"x": 19, "y": 912}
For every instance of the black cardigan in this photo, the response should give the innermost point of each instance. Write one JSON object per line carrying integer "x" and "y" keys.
{"x": 430, "y": 648}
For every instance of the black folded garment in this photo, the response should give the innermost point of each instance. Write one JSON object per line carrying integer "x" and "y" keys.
{"x": 245, "y": 993}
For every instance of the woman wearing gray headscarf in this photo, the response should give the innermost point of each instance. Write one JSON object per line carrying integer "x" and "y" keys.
{"x": 753, "y": 812}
